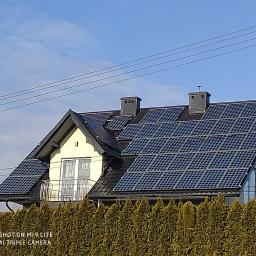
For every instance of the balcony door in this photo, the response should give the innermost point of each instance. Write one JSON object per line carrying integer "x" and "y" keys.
{"x": 75, "y": 178}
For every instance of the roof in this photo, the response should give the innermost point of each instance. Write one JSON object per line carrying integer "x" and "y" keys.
{"x": 164, "y": 151}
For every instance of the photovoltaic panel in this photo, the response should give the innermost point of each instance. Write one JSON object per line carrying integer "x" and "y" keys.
{"x": 185, "y": 128}
{"x": 173, "y": 145}
{"x": 249, "y": 109}
{"x": 232, "y": 179}
{"x": 189, "y": 180}
{"x": 210, "y": 179}
{"x": 192, "y": 144}
{"x": 166, "y": 129}
{"x": 233, "y": 110}
{"x": 154, "y": 146}
{"x": 161, "y": 162}
{"x": 171, "y": 114}
{"x": 169, "y": 180}
{"x": 204, "y": 127}
{"x": 118, "y": 123}
{"x": 233, "y": 141}
{"x": 96, "y": 118}
{"x": 249, "y": 142}
{"x": 130, "y": 131}
{"x": 242, "y": 125}
{"x": 153, "y": 115}
{"x": 222, "y": 160}
{"x": 148, "y": 131}
{"x": 214, "y": 111}
{"x": 18, "y": 185}
{"x": 212, "y": 143}
{"x": 128, "y": 181}
{"x": 243, "y": 159}
{"x": 223, "y": 126}
{"x": 148, "y": 180}
{"x": 142, "y": 163}
{"x": 201, "y": 160}
{"x": 181, "y": 161}
{"x": 135, "y": 147}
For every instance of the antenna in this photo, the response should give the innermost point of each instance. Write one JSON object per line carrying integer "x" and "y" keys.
{"x": 199, "y": 88}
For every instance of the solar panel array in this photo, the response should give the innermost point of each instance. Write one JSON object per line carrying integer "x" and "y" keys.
{"x": 24, "y": 177}
{"x": 215, "y": 152}
{"x": 118, "y": 123}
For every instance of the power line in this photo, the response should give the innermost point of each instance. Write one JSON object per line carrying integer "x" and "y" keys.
{"x": 48, "y": 85}
{"x": 127, "y": 79}
{"x": 128, "y": 72}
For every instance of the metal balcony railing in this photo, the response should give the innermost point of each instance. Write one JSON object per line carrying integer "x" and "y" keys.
{"x": 65, "y": 190}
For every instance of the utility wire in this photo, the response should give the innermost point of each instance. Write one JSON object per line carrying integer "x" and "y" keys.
{"x": 67, "y": 80}
{"x": 128, "y": 72}
{"x": 130, "y": 78}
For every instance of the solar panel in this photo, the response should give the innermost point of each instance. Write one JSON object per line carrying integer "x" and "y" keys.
{"x": 201, "y": 160}
{"x": 168, "y": 180}
{"x": 130, "y": 132}
{"x": 153, "y": 115}
{"x": 189, "y": 180}
{"x": 166, "y": 129}
{"x": 210, "y": 179}
{"x": 185, "y": 128}
{"x": 222, "y": 160}
{"x": 148, "y": 181}
{"x": 242, "y": 125}
{"x": 249, "y": 109}
{"x": 204, "y": 127}
{"x": 128, "y": 181}
{"x": 96, "y": 118}
{"x": 135, "y": 147}
{"x": 141, "y": 163}
{"x": 192, "y": 144}
{"x": 249, "y": 142}
{"x": 243, "y": 159}
{"x": 223, "y": 126}
{"x": 148, "y": 131}
{"x": 154, "y": 146}
{"x": 171, "y": 114}
{"x": 181, "y": 161}
{"x": 212, "y": 143}
{"x": 30, "y": 167}
{"x": 233, "y": 141}
{"x": 118, "y": 123}
{"x": 214, "y": 111}
{"x": 173, "y": 145}
{"x": 232, "y": 179}
{"x": 18, "y": 185}
{"x": 233, "y": 110}
{"x": 161, "y": 162}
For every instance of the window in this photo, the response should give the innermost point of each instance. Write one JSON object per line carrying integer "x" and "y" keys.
{"x": 75, "y": 178}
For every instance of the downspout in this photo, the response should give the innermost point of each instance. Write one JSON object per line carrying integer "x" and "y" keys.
{"x": 7, "y": 205}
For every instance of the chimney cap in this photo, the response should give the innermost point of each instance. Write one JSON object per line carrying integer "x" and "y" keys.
{"x": 131, "y": 97}
{"x": 196, "y": 93}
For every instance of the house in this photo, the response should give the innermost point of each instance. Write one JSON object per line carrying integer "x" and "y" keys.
{"x": 184, "y": 152}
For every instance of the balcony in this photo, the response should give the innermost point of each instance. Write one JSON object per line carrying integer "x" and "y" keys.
{"x": 65, "y": 190}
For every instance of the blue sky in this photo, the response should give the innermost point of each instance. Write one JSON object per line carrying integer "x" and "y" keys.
{"x": 42, "y": 41}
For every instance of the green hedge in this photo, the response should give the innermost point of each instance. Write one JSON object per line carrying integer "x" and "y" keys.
{"x": 135, "y": 229}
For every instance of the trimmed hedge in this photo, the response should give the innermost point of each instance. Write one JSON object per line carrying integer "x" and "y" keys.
{"x": 126, "y": 229}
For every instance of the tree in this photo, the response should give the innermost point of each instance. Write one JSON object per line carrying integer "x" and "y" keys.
{"x": 155, "y": 224}
{"x": 139, "y": 245}
{"x": 200, "y": 243}
{"x": 233, "y": 230}
{"x": 6, "y": 219}
{"x": 182, "y": 244}
{"x": 166, "y": 235}
{"x": 216, "y": 226}
{"x": 82, "y": 231}
{"x": 111, "y": 225}
{"x": 124, "y": 230}
{"x": 248, "y": 222}
{"x": 98, "y": 230}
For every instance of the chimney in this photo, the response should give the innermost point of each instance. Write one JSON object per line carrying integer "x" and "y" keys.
{"x": 198, "y": 101}
{"x": 130, "y": 106}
